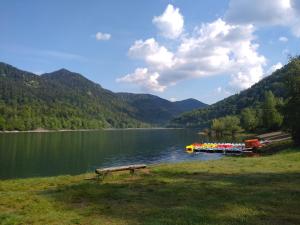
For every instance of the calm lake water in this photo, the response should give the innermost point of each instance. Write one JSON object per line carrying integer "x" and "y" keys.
{"x": 56, "y": 153}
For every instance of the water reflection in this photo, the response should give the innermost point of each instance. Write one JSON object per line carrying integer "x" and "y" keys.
{"x": 48, "y": 154}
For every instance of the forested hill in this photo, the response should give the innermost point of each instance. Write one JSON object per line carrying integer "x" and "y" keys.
{"x": 67, "y": 100}
{"x": 153, "y": 109}
{"x": 234, "y": 104}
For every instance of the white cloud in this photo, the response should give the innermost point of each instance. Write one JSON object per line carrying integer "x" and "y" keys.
{"x": 170, "y": 23}
{"x": 102, "y": 36}
{"x": 265, "y": 13}
{"x": 144, "y": 78}
{"x": 283, "y": 39}
{"x": 220, "y": 48}
{"x": 247, "y": 77}
{"x": 273, "y": 68}
{"x": 155, "y": 55}
{"x": 215, "y": 48}
{"x": 173, "y": 99}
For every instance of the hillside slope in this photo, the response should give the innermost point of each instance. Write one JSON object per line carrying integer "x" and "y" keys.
{"x": 235, "y": 103}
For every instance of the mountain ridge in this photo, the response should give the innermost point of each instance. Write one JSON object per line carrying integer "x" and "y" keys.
{"x": 153, "y": 107}
{"x": 64, "y": 99}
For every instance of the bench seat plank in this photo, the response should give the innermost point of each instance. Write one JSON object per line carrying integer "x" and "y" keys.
{"x": 120, "y": 168}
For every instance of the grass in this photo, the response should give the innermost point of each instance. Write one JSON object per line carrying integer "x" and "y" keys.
{"x": 233, "y": 190}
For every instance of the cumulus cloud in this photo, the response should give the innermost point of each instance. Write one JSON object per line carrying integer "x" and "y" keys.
{"x": 220, "y": 48}
{"x": 273, "y": 68}
{"x": 265, "y": 13}
{"x": 102, "y": 36}
{"x": 144, "y": 78}
{"x": 170, "y": 23}
{"x": 152, "y": 53}
{"x": 213, "y": 49}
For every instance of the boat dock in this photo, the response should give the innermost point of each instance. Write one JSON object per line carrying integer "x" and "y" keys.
{"x": 247, "y": 146}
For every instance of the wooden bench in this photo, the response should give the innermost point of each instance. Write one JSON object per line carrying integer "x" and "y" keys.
{"x": 104, "y": 171}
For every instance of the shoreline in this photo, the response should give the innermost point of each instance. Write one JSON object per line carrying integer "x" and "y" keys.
{"x": 77, "y": 130}
{"x": 44, "y": 131}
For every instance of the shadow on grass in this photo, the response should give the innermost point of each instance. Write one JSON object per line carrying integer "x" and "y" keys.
{"x": 165, "y": 197}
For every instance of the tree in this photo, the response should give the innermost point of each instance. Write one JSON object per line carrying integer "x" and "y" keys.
{"x": 249, "y": 119}
{"x": 232, "y": 124}
{"x": 16, "y": 123}
{"x": 2, "y": 123}
{"x": 218, "y": 127}
{"x": 292, "y": 107}
{"x": 272, "y": 119}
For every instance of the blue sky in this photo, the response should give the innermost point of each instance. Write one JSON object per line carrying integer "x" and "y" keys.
{"x": 174, "y": 49}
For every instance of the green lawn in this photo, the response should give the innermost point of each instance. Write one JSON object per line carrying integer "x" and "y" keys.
{"x": 233, "y": 190}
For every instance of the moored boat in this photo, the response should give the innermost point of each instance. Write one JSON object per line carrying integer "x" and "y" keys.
{"x": 236, "y": 148}
{"x": 216, "y": 147}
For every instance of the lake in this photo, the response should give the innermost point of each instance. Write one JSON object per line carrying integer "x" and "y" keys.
{"x": 56, "y": 153}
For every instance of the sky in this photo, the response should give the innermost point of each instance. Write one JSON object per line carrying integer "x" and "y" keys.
{"x": 177, "y": 49}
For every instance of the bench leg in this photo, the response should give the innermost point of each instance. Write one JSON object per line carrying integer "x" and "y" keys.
{"x": 101, "y": 176}
{"x": 131, "y": 171}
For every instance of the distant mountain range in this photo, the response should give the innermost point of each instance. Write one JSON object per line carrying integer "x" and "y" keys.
{"x": 67, "y": 100}
{"x": 156, "y": 110}
{"x": 233, "y": 105}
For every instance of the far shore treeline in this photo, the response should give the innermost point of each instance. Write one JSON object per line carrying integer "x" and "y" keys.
{"x": 265, "y": 117}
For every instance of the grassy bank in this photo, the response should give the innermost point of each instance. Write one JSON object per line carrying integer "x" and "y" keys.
{"x": 233, "y": 190}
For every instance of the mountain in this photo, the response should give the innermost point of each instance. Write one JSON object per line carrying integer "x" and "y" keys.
{"x": 189, "y": 104}
{"x": 67, "y": 100}
{"x": 155, "y": 110}
{"x": 233, "y": 105}
{"x": 57, "y": 100}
